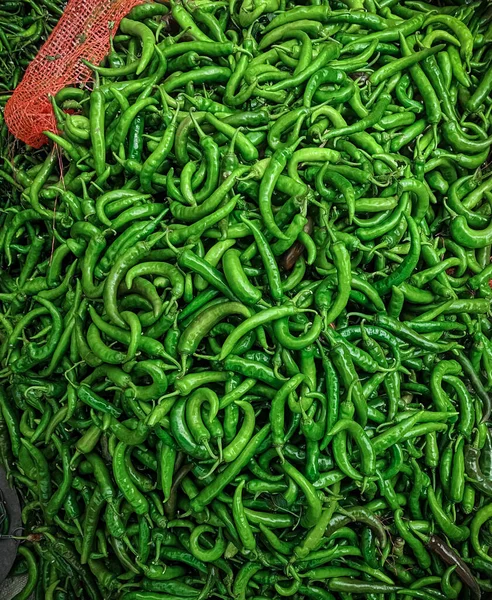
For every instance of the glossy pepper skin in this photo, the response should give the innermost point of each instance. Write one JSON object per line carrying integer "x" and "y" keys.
{"x": 245, "y": 339}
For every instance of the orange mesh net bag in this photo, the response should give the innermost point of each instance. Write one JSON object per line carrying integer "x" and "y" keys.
{"x": 83, "y": 32}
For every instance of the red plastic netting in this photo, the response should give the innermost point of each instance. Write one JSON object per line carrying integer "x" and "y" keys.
{"x": 83, "y": 31}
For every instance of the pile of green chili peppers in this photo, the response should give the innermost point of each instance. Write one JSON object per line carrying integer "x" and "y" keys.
{"x": 245, "y": 347}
